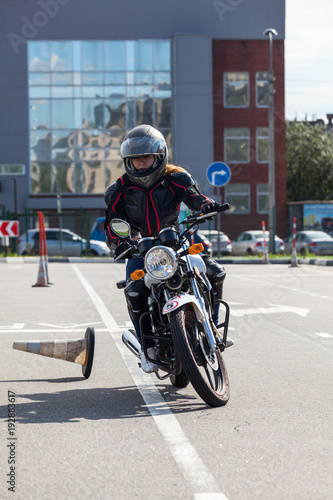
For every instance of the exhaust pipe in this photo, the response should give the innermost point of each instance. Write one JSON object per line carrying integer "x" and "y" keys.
{"x": 132, "y": 343}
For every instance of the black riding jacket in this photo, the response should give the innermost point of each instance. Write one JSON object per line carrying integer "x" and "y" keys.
{"x": 150, "y": 210}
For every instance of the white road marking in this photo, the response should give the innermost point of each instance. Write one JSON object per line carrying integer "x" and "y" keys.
{"x": 53, "y": 330}
{"x": 325, "y": 335}
{"x": 284, "y": 287}
{"x": 275, "y": 308}
{"x": 70, "y": 325}
{"x": 18, "y": 325}
{"x": 184, "y": 453}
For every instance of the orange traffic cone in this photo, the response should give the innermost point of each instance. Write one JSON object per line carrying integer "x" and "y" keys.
{"x": 41, "y": 276}
{"x": 79, "y": 351}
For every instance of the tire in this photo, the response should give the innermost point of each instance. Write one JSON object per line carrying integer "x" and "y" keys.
{"x": 249, "y": 252}
{"x": 180, "y": 380}
{"x": 206, "y": 372}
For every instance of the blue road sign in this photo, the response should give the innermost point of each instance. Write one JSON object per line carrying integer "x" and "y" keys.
{"x": 218, "y": 173}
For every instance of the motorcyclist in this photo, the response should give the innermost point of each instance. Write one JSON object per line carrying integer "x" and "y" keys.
{"x": 148, "y": 197}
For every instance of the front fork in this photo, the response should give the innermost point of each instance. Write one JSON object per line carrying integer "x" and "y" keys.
{"x": 205, "y": 321}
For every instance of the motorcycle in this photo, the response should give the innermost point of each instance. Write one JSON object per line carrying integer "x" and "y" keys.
{"x": 188, "y": 345}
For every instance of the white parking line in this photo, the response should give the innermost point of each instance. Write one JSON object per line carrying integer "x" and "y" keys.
{"x": 325, "y": 335}
{"x": 184, "y": 453}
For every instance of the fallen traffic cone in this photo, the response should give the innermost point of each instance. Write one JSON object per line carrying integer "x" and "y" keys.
{"x": 79, "y": 351}
{"x": 41, "y": 276}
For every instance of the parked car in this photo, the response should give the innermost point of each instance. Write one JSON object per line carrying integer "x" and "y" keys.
{"x": 97, "y": 231}
{"x": 317, "y": 242}
{"x": 72, "y": 244}
{"x": 199, "y": 237}
{"x": 252, "y": 243}
{"x": 225, "y": 242}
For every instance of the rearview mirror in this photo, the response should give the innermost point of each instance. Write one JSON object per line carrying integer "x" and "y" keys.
{"x": 121, "y": 228}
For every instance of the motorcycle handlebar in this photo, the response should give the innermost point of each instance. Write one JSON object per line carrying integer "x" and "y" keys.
{"x": 200, "y": 215}
{"x": 224, "y": 207}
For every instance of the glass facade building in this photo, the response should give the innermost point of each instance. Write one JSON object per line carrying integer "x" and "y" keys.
{"x": 83, "y": 98}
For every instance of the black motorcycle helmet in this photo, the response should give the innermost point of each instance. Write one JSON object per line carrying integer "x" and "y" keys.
{"x": 144, "y": 140}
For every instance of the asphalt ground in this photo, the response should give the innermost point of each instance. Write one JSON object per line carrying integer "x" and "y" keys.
{"x": 124, "y": 434}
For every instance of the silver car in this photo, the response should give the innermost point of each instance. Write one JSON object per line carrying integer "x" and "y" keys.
{"x": 252, "y": 243}
{"x": 71, "y": 245}
{"x": 225, "y": 242}
{"x": 316, "y": 242}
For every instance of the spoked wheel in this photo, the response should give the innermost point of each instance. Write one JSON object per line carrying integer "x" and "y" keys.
{"x": 205, "y": 370}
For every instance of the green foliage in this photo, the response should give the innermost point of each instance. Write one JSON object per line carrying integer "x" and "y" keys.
{"x": 309, "y": 162}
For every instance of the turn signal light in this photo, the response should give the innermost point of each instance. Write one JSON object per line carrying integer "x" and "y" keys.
{"x": 196, "y": 248}
{"x": 138, "y": 274}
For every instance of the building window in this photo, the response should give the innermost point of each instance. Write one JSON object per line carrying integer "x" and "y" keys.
{"x": 262, "y": 199}
{"x": 236, "y": 89}
{"x": 262, "y": 90}
{"x": 83, "y": 98}
{"x": 238, "y": 196}
{"x": 236, "y": 145}
{"x": 262, "y": 144}
{"x": 12, "y": 169}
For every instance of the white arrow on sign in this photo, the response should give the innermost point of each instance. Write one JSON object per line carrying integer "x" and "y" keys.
{"x": 220, "y": 173}
{"x": 275, "y": 308}
{"x": 9, "y": 228}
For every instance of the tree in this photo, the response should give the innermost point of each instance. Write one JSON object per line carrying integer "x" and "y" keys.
{"x": 309, "y": 162}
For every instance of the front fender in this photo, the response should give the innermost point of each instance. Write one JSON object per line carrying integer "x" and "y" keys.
{"x": 179, "y": 301}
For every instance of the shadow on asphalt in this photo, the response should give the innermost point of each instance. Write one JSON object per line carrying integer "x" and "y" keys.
{"x": 95, "y": 404}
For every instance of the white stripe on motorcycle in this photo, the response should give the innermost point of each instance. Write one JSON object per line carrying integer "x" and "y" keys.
{"x": 184, "y": 453}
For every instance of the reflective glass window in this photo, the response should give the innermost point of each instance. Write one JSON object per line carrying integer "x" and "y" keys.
{"x": 143, "y": 56}
{"x": 12, "y": 169}
{"x": 62, "y": 78}
{"x": 39, "y": 92}
{"x": 40, "y": 177}
{"x": 162, "y": 56}
{"x": 262, "y": 89}
{"x": 93, "y": 176}
{"x": 92, "y": 56}
{"x": 61, "y": 57}
{"x": 238, "y": 196}
{"x": 115, "y": 56}
{"x": 262, "y": 144}
{"x": 83, "y": 98}
{"x": 62, "y": 92}
{"x": 237, "y": 144}
{"x": 62, "y": 113}
{"x": 39, "y": 56}
{"x": 40, "y": 115}
{"x": 236, "y": 89}
{"x": 262, "y": 199}
{"x": 63, "y": 176}
{"x": 39, "y": 79}
{"x": 92, "y": 113}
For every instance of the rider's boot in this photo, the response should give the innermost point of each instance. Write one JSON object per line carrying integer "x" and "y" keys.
{"x": 146, "y": 365}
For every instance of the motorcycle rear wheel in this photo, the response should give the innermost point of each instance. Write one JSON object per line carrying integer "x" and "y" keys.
{"x": 206, "y": 371}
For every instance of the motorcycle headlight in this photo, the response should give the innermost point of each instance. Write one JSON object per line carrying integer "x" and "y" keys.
{"x": 161, "y": 262}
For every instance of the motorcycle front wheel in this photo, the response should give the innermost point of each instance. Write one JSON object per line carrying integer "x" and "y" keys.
{"x": 205, "y": 370}
{"x": 181, "y": 380}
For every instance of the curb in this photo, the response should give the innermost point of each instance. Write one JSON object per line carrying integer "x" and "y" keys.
{"x": 253, "y": 261}
{"x": 316, "y": 262}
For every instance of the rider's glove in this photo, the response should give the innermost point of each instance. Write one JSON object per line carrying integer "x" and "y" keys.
{"x": 122, "y": 247}
{"x": 210, "y": 207}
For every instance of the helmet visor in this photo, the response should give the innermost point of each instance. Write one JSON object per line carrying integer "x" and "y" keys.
{"x": 141, "y": 146}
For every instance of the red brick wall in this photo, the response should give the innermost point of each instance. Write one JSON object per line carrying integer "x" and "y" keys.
{"x": 251, "y": 56}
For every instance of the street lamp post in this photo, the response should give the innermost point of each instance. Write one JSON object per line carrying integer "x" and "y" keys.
{"x": 270, "y": 32}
